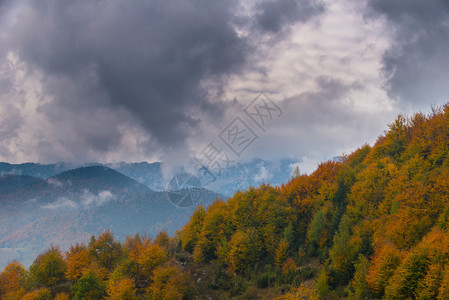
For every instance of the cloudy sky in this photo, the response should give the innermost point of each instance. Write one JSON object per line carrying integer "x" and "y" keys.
{"x": 154, "y": 80}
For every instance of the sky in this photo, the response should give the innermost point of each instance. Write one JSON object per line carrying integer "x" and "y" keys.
{"x": 168, "y": 80}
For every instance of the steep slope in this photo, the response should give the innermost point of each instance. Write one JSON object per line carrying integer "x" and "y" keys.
{"x": 376, "y": 220}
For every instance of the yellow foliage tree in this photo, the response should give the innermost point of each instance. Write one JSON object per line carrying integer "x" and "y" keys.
{"x": 147, "y": 254}
{"x": 428, "y": 288}
{"x": 244, "y": 250}
{"x": 191, "y": 232}
{"x": 121, "y": 289}
{"x": 105, "y": 250}
{"x": 212, "y": 231}
{"x": 40, "y": 294}
{"x": 168, "y": 283}
{"x": 281, "y": 253}
{"x": 62, "y": 296}
{"x": 420, "y": 271}
{"x": 443, "y": 291}
{"x": 150, "y": 256}
{"x": 303, "y": 292}
{"x": 162, "y": 239}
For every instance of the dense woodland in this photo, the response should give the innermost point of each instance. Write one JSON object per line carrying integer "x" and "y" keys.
{"x": 373, "y": 225}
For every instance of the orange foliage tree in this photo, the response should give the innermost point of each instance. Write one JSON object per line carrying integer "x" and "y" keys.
{"x": 12, "y": 281}
{"x": 78, "y": 261}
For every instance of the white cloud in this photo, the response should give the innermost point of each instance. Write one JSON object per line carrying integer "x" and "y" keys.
{"x": 86, "y": 201}
{"x": 55, "y": 182}
{"x": 89, "y": 200}
{"x": 308, "y": 165}
{"x": 293, "y": 166}
{"x": 263, "y": 175}
{"x": 61, "y": 204}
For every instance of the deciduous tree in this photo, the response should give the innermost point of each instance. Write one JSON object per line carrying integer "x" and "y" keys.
{"x": 48, "y": 269}
{"x": 13, "y": 281}
{"x": 105, "y": 250}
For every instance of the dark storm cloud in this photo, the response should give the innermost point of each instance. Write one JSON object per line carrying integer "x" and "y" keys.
{"x": 415, "y": 67}
{"x": 115, "y": 67}
{"x": 273, "y": 16}
{"x": 145, "y": 57}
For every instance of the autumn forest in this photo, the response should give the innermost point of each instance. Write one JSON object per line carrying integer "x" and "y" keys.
{"x": 373, "y": 225}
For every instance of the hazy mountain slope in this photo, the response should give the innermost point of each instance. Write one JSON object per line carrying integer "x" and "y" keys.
{"x": 149, "y": 174}
{"x": 75, "y": 204}
{"x": 9, "y": 183}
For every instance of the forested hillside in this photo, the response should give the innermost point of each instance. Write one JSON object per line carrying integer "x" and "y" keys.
{"x": 375, "y": 225}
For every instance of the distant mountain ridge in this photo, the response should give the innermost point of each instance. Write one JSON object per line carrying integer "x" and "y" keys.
{"x": 238, "y": 176}
{"x": 36, "y": 170}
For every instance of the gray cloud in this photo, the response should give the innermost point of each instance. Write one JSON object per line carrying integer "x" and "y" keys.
{"x": 10, "y": 121}
{"x": 108, "y": 63}
{"x": 415, "y": 66}
{"x": 323, "y": 110}
{"x": 143, "y": 68}
{"x": 322, "y": 123}
{"x": 273, "y": 16}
